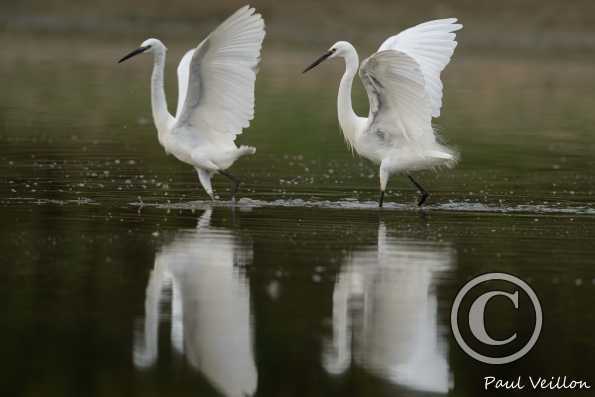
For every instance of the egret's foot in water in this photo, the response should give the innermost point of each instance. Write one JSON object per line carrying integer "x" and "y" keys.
{"x": 235, "y": 184}
{"x": 424, "y": 193}
{"x": 381, "y": 200}
{"x": 234, "y": 190}
{"x": 423, "y": 198}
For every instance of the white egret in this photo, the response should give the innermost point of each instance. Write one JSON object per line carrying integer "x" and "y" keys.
{"x": 215, "y": 96}
{"x": 404, "y": 88}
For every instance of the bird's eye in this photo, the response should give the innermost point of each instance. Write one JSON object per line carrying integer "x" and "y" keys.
{"x": 333, "y": 50}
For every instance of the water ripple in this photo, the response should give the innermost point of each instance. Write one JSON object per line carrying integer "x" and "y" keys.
{"x": 373, "y": 205}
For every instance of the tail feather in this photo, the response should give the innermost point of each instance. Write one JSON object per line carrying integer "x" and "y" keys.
{"x": 246, "y": 150}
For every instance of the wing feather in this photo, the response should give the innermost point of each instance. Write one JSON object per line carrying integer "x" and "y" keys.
{"x": 216, "y": 92}
{"x": 183, "y": 77}
{"x": 431, "y": 45}
{"x": 400, "y": 108}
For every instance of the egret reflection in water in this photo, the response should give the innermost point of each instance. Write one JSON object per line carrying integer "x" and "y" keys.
{"x": 210, "y": 306}
{"x": 385, "y": 314}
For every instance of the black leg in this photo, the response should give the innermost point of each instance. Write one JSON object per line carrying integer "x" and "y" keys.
{"x": 235, "y": 183}
{"x": 381, "y": 200}
{"x": 424, "y": 194}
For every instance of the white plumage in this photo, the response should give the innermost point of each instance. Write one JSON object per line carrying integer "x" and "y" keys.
{"x": 215, "y": 96}
{"x": 431, "y": 44}
{"x": 403, "y": 84}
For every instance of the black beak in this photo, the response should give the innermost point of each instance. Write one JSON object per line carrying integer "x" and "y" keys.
{"x": 139, "y": 50}
{"x": 319, "y": 61}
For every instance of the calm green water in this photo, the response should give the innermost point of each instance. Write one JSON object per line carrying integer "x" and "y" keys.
{"x": 120, "y": 278}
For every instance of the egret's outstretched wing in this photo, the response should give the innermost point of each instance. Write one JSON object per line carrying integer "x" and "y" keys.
{"x": 431, "y": 44}
{"x": 217, "y": 78}
{"x": 183, "y": 77}
{"x": 400, "y": 110}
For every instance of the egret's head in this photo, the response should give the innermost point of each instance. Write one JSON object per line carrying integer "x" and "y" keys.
{"x": 147, "y": 46}
{"x": 339, "y": 49}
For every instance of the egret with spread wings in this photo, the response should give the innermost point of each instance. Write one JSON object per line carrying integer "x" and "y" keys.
{"x": 215, "y": 96}
{"x": 404, "y": 88}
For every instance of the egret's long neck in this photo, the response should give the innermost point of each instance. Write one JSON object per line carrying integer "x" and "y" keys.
{"x": 161, "y": 115}
{"x": 347, "y": 117}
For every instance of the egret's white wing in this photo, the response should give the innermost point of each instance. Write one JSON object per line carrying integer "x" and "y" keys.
{"x": 219, "y": 98}
{"x": 431, "y": 44}
{"x": 183, "y": 77}
{"x": 400, "y": 110}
